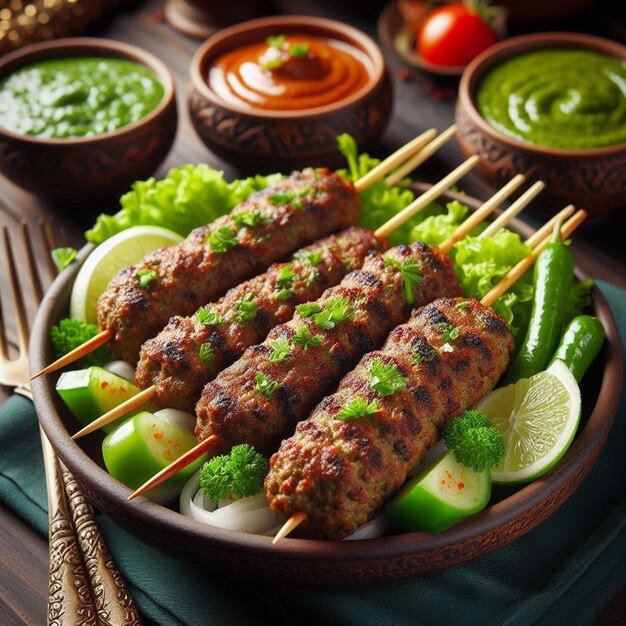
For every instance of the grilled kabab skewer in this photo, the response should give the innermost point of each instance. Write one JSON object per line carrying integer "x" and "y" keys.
{"x": 339, "y": 470}
{"x": 190, "y": 351}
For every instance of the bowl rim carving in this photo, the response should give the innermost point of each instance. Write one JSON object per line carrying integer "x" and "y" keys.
{"x": 393, "y": 557}
{"x": 81, "y": 46}
{"x": 510, "y": 48}
{"x": 244, "y": 33}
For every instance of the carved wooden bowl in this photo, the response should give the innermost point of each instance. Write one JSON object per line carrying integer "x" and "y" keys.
{"x": 311, "y": 562}
{"x": 260, "y": 140}
{"x": 594, "y": 180}
{"x": 89, "y": 169}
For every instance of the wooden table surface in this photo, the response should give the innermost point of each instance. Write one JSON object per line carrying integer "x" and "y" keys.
{"x": 420, "y": 103}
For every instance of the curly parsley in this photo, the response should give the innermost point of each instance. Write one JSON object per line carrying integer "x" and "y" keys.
{"x": 358, "y": 407}
{"x": 385, "y": 379}
{"x": 265, "y": 386}
{"x": 246, "y": 308}
{"x": 222, "y": 240}
{"x": 252, "y": 219}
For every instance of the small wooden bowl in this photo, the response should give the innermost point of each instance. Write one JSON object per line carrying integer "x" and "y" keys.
{"x": 263, "y": 140}
{"x": 594, "y": 180}
{"x": 89, "y": 169}
{"x": 313, "y": 562}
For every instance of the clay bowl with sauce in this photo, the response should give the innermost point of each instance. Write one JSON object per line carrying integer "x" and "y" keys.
{"x": 593, "y": 179}
{"x": 286, "y": 110}
{"x": 321, "y": 562}
{"x": 89, "y": 169}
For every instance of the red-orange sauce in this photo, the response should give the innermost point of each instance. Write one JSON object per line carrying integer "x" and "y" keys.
{"x": 297, "y": 72}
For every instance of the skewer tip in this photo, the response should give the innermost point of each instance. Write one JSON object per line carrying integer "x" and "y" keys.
{"x": 290, "y": 525}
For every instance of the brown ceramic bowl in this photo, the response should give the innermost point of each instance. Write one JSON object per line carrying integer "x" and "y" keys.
{"x": 89, "y": 169}
{"x": 388, "y": 558}
{"x": 594, "y": 180}
{"x": 260, "y": 140}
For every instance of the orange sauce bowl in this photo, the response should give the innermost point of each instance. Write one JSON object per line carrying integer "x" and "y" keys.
{"x": 263, "y": 107}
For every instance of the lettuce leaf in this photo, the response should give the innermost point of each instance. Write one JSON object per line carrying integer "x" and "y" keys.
{"x": 189, "y": 196}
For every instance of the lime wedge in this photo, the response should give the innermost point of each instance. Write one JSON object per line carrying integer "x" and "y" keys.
{"x": 123, "y": 249}
{"x": 538, "y": 418}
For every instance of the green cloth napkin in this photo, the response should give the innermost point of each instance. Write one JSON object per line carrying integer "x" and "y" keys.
{"x": 564, "y": 571}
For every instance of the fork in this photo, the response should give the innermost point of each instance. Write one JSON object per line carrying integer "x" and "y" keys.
{"x": 84, "y": 585}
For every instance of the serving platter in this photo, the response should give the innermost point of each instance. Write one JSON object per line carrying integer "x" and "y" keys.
{"x": 312, "y": 562}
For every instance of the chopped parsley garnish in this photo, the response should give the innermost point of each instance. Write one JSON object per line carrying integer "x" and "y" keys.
{"x": 238, "y": 474}
{"x": 337, "y": 310}
{"x": 462, "y": 306}
{"x": 145, "y": 278}
{"x": 280, "y": 350}
{"x": 448, "y": 331}
{"x": 246, "y": 308}
{"x": 265, "y": 386}
{"x": 208, "y": 318}
{"x": 206, "y": 352}
{"x": 282, "y": 198}
{"x": 273, "y": 64}
{"x": 62, "y": 257}
{"x": 310, "y": 258}
{"x": 298, "y": 49}
{"x": 285, "y": 282}
{"x": 303, "y": 338}
{"x": 276, "y": 41}
{"x": 252, "y": 219}
{"x": 423, "y": 358}
{"x": 222, "y": 240}
{"x": 410, "y": 274}
{"x": 358, "y": 407}
{"x": 385, "y": 379}
{"x": 305, "y": 191}
{"x": 308, "y": 309}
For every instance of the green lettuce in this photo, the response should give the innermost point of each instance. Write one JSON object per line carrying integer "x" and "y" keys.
{"x": 189, "y": 196}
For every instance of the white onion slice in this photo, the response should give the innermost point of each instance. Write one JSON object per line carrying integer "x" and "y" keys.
{"x": 122, "y": 369}
{"x": 376, "y": 527}
{"x": 248, "y": 515}
{"x": 182, "y": 419}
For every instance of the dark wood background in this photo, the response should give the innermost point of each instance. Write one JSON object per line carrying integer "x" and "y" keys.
{"x": 420, "y": 103}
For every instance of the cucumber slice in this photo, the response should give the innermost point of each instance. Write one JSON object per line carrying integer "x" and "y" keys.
{"x": 92, "y": 392}
{"x": 441, "y": 495}
{"x": 142, "y": 446}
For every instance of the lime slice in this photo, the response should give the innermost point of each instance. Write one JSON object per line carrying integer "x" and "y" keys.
{"x": 537, "y": 417}
{"x": 123, "y": 249}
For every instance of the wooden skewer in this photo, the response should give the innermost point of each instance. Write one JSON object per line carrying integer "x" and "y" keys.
{"x": 206, "y": 446}
{"x": 528, "y": 196}
{"x": 482, "y": 212}
{"x": 119, "y": 411}
{"x": 202, "y": 447}
{"x": 427, "y": 197}
{"x": 397, "y": 158}
{"x": 568, "y": 228}
{"x": 89, "y": 346}
{"x": 420, "y": 157}
{"x": 548, "y": 227}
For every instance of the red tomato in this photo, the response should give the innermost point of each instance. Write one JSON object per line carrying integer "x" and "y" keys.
{"x": 453, "y": 35}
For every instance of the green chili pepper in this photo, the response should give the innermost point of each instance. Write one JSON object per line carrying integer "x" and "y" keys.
{"x": 580, "y": 344}
{"x": 554, "y": 271}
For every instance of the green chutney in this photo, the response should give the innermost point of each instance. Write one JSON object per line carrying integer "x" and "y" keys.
{"x": 77, "y": 97}
{"x": 558, "y": 97}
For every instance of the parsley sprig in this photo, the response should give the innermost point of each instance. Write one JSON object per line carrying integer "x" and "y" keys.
{"x": 280, "y": 350}
{"x": 208, "y": 318}
{"x": 410, "y": 273}
{"x": 358, "y": 407}
{"x": 238, "y": 474}
{"x": 385, "y": 378}
{"x": 62, "y": 257}
{"x": 337, "y": 310}
{"x": 308, "y": 309}
{"x": 448, "y": 331}
{"x": 476, "y": 442}
{"x": 222, "y": 240}
{"x": 308, "y": 257}
{"x": 206, "y": 352}
{"x": 249, "y": 218}
{"x": 265, "y": 386}
{"x": 304, "y": 339}
{"x": 246, "y": 308}
{"x": 284, "y": 282}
